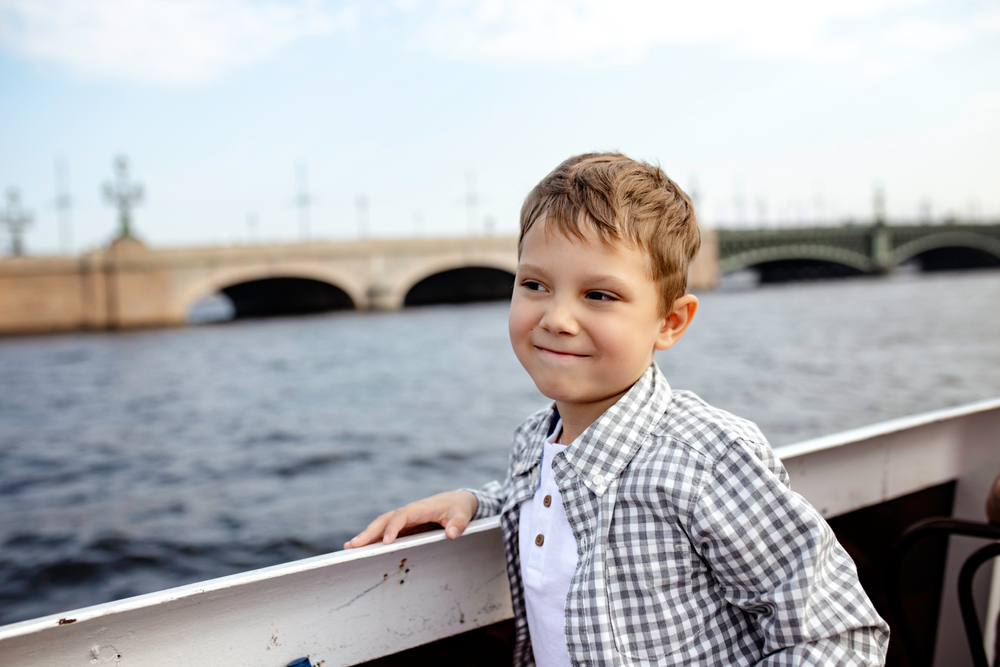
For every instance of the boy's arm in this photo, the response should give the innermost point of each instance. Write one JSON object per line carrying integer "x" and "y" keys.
{"x": 775, "y": 557}
{"x": 452, "y": 510}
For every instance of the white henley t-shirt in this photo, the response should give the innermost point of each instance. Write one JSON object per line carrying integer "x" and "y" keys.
{"x": 548, "y": 561}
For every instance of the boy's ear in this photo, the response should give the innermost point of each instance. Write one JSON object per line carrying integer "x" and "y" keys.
{"x": 677, "y": 320}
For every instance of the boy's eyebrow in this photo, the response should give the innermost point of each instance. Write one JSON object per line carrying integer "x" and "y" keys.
{"x": 604, "y": 279}
{"x": 531, "y": 268}
{"x": 607, "y": 280}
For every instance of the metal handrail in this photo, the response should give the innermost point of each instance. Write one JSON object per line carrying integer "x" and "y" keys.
{"x": 968, "y": 605}
{"x": 942, "y": 527}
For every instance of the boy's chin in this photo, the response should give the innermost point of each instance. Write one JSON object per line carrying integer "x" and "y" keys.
{"x": 577, "y": 395}
{"x": 567, "y": 395}
{"x": 558, "y": 391}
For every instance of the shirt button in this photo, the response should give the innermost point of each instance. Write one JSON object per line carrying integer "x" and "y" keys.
{"x": 539, "y": 539}
{"x": 598, "y": 480}
{"x": 547, "y": 501}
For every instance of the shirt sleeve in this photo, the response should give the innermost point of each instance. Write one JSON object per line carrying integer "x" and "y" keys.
{"x": 493, "y": 495}
{"x": 491, "y": 498}
{"x": 776, "y": 558}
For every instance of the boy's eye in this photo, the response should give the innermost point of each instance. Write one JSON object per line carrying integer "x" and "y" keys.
{"x": 532, "y": 285}
{"x": 600, "y": 296}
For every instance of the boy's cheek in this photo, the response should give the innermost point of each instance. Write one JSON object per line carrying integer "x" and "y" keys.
{"x": 523, "y": 356}
{"x": 519, "y": 327}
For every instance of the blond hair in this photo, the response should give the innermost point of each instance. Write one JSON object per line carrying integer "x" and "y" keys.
{"x": 624, "y": 201}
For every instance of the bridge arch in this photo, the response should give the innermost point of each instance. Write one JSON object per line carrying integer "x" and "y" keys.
{"x": 819, "y": 253}
{"x": 334, "y": 289}
{"x": 947, "y": 240}
{"x": 481, "y": 277}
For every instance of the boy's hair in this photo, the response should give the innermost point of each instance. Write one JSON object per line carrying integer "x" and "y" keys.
{"x": 623, "y": 200}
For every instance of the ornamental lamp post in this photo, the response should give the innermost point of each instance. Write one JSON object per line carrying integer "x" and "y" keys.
{"x": 124, "y": 195}
{"x": 16, "y": 219}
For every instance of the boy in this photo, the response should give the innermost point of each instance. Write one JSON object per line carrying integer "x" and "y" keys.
{"x": 641, "y": 525}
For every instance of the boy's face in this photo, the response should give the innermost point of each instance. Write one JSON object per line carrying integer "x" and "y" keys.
{"x": 584, "y": 317}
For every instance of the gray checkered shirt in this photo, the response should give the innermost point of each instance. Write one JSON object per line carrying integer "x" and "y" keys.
{"x": 692, "y": 549}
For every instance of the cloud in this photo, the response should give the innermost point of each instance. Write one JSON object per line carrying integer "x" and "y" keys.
{"x": 560, "y": 30}
{"x": 877, "y": 36}
{"x": 926, "y": 36}
{"x": 194, "y": 41}
{"x": 161, "y": 41}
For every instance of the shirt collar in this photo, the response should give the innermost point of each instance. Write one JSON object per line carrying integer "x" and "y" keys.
{"x": 604, "y": 449}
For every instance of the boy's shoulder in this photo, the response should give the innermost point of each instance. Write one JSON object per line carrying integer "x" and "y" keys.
{"x": 706, "y": 431}
{"x": 697, "y": 448}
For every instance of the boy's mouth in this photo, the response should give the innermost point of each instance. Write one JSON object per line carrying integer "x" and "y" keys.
{"x": 558, "y": 354}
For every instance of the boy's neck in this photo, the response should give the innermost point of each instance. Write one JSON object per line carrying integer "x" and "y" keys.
{"x": 576, "y": 417}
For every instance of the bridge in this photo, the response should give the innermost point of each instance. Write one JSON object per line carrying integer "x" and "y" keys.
{"x": 128, "y": 284}
{"x": 779, "y": 254}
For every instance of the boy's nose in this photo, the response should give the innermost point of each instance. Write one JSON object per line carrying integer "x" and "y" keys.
{"x": 559, "y": 319}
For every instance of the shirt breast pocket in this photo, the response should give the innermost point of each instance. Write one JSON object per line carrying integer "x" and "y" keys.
{"x": 654, "y": 598}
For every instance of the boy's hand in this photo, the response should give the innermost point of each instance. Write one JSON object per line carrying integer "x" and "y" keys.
{"x": 452, "y": 510}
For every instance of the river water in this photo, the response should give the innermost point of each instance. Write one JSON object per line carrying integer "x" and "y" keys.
{"x": 131, "y": 462}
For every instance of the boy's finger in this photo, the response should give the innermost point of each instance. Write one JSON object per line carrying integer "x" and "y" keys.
{"x": 455, "y": 527}
{"x": 369, "y": 534}
{"x": 397, "y": 522}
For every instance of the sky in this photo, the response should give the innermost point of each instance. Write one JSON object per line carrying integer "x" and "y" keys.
{"x": 770, "y": 113}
